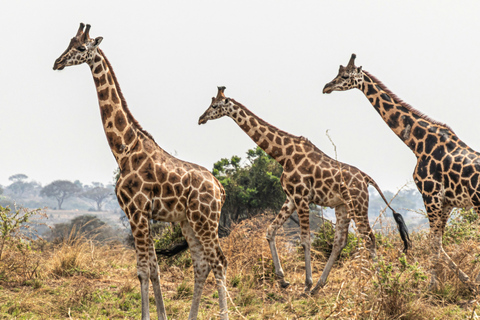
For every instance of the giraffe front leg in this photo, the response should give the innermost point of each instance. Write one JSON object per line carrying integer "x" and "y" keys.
{"x": 285, "y": 212}
{"x": 340, "y": 241}
{"x": 142, "y": 243}
{"x": 155, "y": 279}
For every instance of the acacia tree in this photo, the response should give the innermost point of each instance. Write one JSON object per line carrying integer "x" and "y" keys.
{"x": 252, "y": 188}
{"x": 20, "y": 186}
{"x": 98, "y": 194}
{"x": 60, "y": 190}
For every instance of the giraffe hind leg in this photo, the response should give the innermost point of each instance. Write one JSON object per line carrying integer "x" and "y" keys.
{"x": 340, "y": 241}
{"x": 206, "y": 232}
{"x": 201, "y": 267}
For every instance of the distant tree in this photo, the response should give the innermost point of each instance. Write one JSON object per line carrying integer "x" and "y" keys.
{"x": 20, "y": 186}
{"x": 78, "y": 184}
{"x": 60, "y": 190}
{"x": 98, "y": 194}
{"x": 18, "y": 177}
{"x": 252, "y": 188}
{"x": 1, "y": 190}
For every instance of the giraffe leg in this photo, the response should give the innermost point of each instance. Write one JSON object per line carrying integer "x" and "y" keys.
{"x": 155, "y": 279}
{"x": 207, "y": 234}
{"x": 340, "y": 241}
{"x": 366, "y": 233}
{"x": 282, "y": 216}
{"x": 304, "y": 216}
{"x": 437, "y": 227}
{"x": 142, "y": 244}
{"x": 452, "y": 265}
{"x": 201, "y": 267}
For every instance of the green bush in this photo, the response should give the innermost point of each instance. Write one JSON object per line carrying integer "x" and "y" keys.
{"x": 322, "y": 243}
{"x": 463, "y": 225}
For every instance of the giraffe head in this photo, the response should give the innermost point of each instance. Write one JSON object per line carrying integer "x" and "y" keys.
{"x": 348, "y": 77}
{"x": 81, "y": 49}
{"x": 220, "y": 106}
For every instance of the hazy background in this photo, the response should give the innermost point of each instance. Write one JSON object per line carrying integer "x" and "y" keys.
{"x": 273, "y": 56}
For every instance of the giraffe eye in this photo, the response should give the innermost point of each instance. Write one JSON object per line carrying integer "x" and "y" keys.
{"x": 345, "y": 77}
{"x": 214, "y": 106}
{"x": 81, "y": 48}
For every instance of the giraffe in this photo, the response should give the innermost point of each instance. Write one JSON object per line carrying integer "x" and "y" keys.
{"x": 447, "y": 170}
{"x": 309, "y": 176}
{"x": 154, "y": 185}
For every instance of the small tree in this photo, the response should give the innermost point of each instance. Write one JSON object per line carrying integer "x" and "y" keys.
{"x": 11, "y": 223}
{"x": 60, "y": 190}
{"x": 252, "y": 189}
{"x": 97, "y": 194}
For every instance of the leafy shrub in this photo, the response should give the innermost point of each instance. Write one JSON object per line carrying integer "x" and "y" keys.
{"x": 17, "y": 257}
{"x": 323, "y": 242}
{"x": 399, "y": 287}
{"x": 463, "y": 225}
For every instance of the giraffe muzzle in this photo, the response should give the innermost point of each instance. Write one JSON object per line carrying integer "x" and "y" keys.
{"x": 202, "y": 120}
{"x": 328, "y": 88}
{"x": 58, "y": 65}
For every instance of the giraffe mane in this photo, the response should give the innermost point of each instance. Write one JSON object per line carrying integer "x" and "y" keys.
{"x": 404, "y": 104}
{"x": 122, "y": 99}
{"x": 263, "y": 122}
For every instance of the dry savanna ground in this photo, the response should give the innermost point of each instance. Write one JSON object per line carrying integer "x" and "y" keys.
{"x": 84, "y": 280}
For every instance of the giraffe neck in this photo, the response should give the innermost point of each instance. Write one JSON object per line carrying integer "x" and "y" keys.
{"x": 409, "y": 124}
{"x": 121, "y": 128}
{"x": 278, "y": 144}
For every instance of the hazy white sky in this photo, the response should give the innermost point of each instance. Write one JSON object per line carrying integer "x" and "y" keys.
{"x": 273, "y": 56}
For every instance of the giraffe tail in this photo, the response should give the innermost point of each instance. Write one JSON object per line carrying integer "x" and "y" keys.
{"x": 174, "y": 250}
{"x": 401, "y": 225}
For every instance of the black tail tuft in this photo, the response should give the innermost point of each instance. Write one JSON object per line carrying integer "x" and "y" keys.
{"x": 402, "y": 228}
{"x": 174, "y": 250}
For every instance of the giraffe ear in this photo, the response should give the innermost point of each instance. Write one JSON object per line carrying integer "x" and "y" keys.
{"x": 359, "y": 69}
{"x": 97, "y": 41}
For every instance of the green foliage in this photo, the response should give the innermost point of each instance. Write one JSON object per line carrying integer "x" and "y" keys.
{"x": 184, "y": 291}
{"x": 252, "y": 188}
{"x": 399, "y": 286}
{"x": 18, "y": 257}
{"x": 463, "y": 225}
{"x": 165, "y": 235}
{"x": 11, "y": 224}
{"x": 323, "y": 241}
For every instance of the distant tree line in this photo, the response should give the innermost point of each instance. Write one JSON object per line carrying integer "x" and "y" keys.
{"x": 23, "y": 191}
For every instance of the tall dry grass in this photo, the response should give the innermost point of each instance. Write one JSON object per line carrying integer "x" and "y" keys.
{"x": 82, "y": 279}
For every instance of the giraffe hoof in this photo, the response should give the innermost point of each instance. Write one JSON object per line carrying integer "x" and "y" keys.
{"x": 284, "y": 284}
{"x": 473, "y": 288}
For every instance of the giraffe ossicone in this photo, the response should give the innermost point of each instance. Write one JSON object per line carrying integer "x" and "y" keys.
{"x": 447, "y": 171}
{"x": 309, "y": 176}
{"x": 154, "y": 185}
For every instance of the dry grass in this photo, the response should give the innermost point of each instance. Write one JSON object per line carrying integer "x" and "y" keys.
{"x": 82, "y": 280}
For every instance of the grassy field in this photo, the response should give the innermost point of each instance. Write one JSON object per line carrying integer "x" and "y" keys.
{"x": 84, "y": 280}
